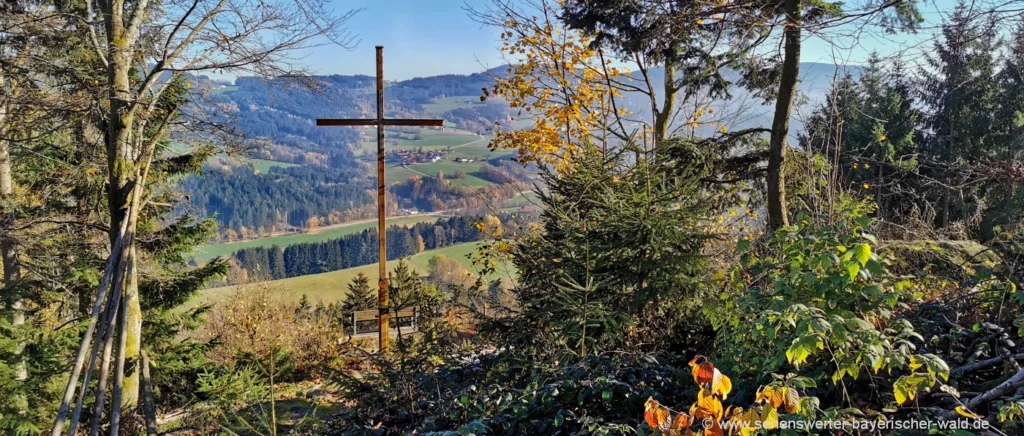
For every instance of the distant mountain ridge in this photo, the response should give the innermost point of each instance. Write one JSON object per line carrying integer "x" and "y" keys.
{"x": 284, "y": 113}
{"x": 746, "y": 110}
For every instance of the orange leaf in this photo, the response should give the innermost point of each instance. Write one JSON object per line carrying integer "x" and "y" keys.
{"x": 680, "y": 422}
{"x": 650, "y": 409}
{"x": 704, "y": 373}
{"x": 707, "y": 406}
{"x": 773, "y": 395}
{"x": 715, "y": 429}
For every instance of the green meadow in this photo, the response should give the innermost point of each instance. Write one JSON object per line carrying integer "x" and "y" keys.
{"x": 264, "y": 166}
{"x": 332, "y": 286}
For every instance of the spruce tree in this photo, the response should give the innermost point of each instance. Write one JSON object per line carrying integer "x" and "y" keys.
{"x": 960, "y": 95}
{"x": 404, "y": 285}
{"x": 360, "y": 297}
{"x": 621, "y": 242}
{"x": 1006, "y": 200}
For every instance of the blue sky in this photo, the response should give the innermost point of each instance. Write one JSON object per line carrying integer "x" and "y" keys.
{"x": 431, "y": 37}
{"x": 420, "y": 38}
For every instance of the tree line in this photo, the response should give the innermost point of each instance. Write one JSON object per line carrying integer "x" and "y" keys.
{"x": 355, "y": 249}
{"x": 933, "y": 144}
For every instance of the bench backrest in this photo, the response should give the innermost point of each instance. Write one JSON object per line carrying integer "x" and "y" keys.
{"x": 370, "y": 315}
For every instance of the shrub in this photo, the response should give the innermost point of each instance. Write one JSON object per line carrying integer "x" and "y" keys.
{"x": 817, "y": 299}
{"x": 710, "y": 418}
{"x": 483, "y": 394}
{"x": 254, "y": 325}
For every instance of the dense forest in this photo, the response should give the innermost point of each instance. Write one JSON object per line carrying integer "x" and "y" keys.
{"x": 248, "y": 204}
{"x": 354, "y": 250}
{"x": 284, "y": 196}
{"x": 723, "y": 255}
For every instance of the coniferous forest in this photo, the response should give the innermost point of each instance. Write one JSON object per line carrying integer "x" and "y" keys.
{"x": 741, "y": 217}
{"x": 356, "y": 249}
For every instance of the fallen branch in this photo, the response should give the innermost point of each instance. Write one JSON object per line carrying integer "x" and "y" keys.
{"x": 983, "y": 364}
{"x": 1005, "y": 387}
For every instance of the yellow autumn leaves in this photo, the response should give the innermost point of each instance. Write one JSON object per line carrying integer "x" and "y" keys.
{"x": 561, "y": 82}
{"x": 708, "y": 414}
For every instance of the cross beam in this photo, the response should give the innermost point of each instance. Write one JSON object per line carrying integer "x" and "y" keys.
{"x": 419, "y": 122}
{"x": 384, "y": 338}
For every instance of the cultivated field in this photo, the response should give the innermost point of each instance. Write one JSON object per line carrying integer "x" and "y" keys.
{"x": 450, "y": 168}
{"x": 441, "y": 105}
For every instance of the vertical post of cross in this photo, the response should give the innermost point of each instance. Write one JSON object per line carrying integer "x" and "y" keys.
{"x": 383, "y": 304}
{"x": 382, "y": 295}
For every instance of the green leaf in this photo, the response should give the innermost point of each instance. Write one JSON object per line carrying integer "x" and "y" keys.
{"x": 858, "y": 324}
{"x": 863, "y": 253}
{"x": 802, "y": 348}
{"x": 852, "y": 269}
{"x": 875, "y": 267}
{"x": 819, "y": 325}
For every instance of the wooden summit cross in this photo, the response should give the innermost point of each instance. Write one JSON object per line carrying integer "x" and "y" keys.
{"x": 380, "y": 122}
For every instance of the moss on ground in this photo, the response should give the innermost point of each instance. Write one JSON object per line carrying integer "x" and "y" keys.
{"x": 956, "y": 260}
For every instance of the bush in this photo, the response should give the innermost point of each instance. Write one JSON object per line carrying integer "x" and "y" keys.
{"x": 482, "y": 394}
{"x": 254, "y": 325}
{"x": 816, "y": 299}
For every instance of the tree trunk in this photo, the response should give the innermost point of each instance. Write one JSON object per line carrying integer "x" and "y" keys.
{"x": 149, "y": 403}
{"x": 121, "y": 157}
{"x": 133, "y": 344}
{"x": 8, "y": 246}
{"x": 777, "y": 213}
{"x": 663, "y": 117}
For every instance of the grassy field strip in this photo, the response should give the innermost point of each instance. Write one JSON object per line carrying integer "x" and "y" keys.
{"x": 264, "y": 166}
{"x": 396, "y": 173}
{"x": 208, "y": 252}
{"x": 430, "y": 140}
{"x": 528, "y": 198}
{"x": 332, "y": 286}
{"x": 441, "y": 105}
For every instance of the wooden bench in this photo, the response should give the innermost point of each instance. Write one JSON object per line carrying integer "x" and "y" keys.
{"x": 407, "y": 314}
